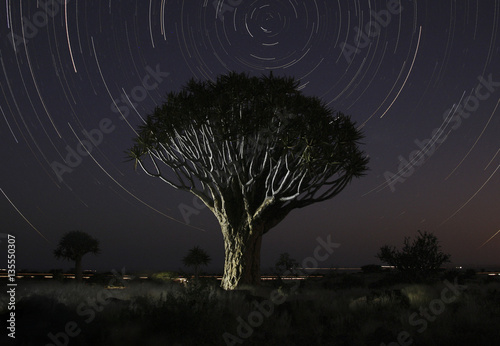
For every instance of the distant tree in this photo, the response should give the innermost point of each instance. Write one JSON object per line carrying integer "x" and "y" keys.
{"x": 73, "y": 246}
{"x": 252, "y": 150}
{"x": 196, "y": 257}
{"x": 285, "y": 262}
{"x": 417, "y": 259}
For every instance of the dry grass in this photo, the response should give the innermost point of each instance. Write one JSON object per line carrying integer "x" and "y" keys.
{"x": 321, "y": 313}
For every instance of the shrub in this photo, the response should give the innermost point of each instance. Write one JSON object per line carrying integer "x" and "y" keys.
{"x": 417, "y": 260}
{"x": 164, "y": 276}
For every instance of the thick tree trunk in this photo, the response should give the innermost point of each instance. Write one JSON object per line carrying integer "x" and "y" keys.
{"x": 78, "y": 270}
{"x": 242, "y": 257}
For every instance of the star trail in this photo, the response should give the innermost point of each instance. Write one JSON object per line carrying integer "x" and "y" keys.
{"x": 421, "y": 78}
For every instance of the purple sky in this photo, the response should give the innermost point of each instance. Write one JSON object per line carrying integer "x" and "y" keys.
{"x": 422, "y": 79}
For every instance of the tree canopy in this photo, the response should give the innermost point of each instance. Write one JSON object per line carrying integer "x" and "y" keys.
{"x": 256, "y": 132}
{"x": 196, "y": 257}
{"x": 73, "y": 246}
{"x": 285, "y": 262}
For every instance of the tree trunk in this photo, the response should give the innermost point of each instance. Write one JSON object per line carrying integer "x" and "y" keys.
{"x": 197, "y": 273}
{"x": 242, "y": 256}
{"x": 78, "y": 270}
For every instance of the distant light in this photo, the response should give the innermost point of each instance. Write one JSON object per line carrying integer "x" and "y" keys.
{"x": 337, "y": 268}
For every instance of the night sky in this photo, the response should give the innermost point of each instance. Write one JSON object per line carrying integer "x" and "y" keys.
{"x": 421, "y": 78}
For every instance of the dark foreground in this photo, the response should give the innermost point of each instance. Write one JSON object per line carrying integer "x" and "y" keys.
{"x": 351, "y": 309}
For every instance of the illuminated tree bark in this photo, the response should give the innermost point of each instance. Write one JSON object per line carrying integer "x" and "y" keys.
{"x": 252, "y": 149}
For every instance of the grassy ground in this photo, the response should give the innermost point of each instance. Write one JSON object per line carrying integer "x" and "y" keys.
{"x": 351, "y": 309}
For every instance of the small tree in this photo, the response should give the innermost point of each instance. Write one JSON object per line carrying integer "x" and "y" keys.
{"x": 73, "y": 246}
{"x": 418, "y": 259}
{"x": 196, "y": 258}
{"x": 285, "y": 262}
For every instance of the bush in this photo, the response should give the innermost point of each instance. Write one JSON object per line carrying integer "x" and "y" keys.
{"x": 164, "y": 276}
{"x": 150, "y": 314}
{"x": 417, "y": 260}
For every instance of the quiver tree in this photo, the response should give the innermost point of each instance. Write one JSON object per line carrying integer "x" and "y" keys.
{"x": 286, "y": 262}
{"x": 252, "y": 149}
{"x": 196, "y": 257}
{"x": 73, "y": 246}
